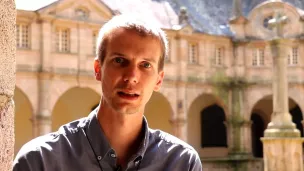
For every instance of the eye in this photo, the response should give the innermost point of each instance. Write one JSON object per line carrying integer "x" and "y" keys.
{"x": 146, "y": 65}
{"x": 119, "y": 60}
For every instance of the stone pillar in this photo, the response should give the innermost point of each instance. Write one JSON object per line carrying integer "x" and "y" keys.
{"x": 42, "y": 119}
{"x": 179, "y": 120}
{"x": 238, "y": 128}
{"x": 282, "y": 143}
{"x": 7, "y": 82}
{"x": 46, "y": 45}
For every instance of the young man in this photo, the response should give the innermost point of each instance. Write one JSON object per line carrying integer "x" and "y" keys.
{"x": 116, "y": 136}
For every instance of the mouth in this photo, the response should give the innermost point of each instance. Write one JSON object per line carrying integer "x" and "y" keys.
{"x": 128, "y": 95}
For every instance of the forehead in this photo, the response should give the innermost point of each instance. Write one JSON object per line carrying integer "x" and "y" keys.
{"x": 121, "y": 33}
{"x": 131, "y": 39}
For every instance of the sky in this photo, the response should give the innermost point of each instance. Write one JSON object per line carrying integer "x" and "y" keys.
{"x": 32, "y": 5}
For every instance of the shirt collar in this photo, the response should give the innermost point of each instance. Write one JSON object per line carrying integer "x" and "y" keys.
{"x": 99, "y": 142}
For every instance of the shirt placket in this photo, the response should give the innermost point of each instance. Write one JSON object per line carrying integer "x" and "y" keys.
{"x": 108, "y": 162}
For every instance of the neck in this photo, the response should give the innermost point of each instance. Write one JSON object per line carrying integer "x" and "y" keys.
{"x": 118, "y": 127}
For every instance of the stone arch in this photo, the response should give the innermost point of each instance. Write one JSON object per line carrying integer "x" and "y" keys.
{"x": 158, "y": 112}
{"x": 194, "y": 126}
{"x": 295, "y": 93}
{"x": 29, "y": 86}
{"x": 23, "y": 119}
{"x": 264, "y": 108}
{"x": 59, "y": 87}
{"x": 75, "y": 103}
{"x": 213, "y": 130}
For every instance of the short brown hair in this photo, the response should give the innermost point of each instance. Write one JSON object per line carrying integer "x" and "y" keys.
{"x": 131, "y": 23}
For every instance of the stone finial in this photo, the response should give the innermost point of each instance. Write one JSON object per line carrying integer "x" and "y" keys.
{"x": 183, "y": 16}
{"x": 237, "y": 9}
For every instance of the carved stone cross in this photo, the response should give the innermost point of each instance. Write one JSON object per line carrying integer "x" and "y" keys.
{"x": 278, "y": 23}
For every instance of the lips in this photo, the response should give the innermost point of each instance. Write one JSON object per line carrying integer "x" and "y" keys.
{"x": 128, "y": 95}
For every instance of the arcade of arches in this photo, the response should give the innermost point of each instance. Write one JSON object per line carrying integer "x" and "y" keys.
{"x": 206, "y": 118}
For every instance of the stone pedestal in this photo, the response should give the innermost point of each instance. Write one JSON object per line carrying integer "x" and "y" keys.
{"x": 283, "y": 154}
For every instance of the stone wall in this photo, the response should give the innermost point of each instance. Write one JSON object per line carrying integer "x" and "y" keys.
{"x": 7, "y": 82}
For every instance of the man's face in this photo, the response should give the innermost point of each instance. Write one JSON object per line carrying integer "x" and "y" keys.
{"x": 129, "y": 73}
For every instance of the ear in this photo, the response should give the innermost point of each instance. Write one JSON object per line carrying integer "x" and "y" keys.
{"x": 97, "y": 69}
{"x": 160, "y": 79}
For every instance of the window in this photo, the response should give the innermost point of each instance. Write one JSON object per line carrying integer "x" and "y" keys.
{"x": 292, "y": 59}
{"x": 63, "y": 40}
{"x": 193, "y": 55}
{"x": 22, "y": 36}
{"x": 219, "y": 53}
{"x": 258, "y": 57}
{"x": 94, "y": 39}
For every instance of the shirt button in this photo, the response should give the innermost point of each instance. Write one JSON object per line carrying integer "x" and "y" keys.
{"x": 99, "y": 157}
{"x": 113, "y": 155}
{"x": 136, "y": 163}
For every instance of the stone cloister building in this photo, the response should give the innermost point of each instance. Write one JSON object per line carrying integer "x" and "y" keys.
{"x": 217, "y": 93}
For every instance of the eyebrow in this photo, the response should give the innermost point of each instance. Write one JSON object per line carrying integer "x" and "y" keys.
{"x": 150, "y": 60}
{"x": 117, "y": 54}
{"x": 122, "y": 55}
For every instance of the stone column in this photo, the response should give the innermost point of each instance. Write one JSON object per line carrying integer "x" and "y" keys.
{"x": 282, "y": 143}
{"x": 237, "y": 127}
{"x": 46, "y": 45}
{"x": 7, "y": 82}
{"x": 42, "y": 119}
{"x": 179, "y": 120}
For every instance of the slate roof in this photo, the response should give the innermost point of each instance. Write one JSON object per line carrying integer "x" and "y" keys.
{"x": 206, "y": 16}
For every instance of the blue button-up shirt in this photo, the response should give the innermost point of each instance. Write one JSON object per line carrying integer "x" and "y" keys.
{"x": 81, "y": 145}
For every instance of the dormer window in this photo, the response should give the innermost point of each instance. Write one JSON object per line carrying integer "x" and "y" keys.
{"x": 82, "y": 13}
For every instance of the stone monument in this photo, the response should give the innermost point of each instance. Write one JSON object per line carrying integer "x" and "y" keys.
{"x": 282, "y": 142}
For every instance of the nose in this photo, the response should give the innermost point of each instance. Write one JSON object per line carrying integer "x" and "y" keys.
{"x": 131, "y": 74}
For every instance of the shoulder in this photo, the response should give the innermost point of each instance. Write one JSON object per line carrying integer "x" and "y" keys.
{"x": 173, "y": 149}
{"x": 44, "y": 148}
{"x": 167, "y": 140}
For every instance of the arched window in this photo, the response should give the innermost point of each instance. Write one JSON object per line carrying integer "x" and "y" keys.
{"x": 212, "y": 127}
